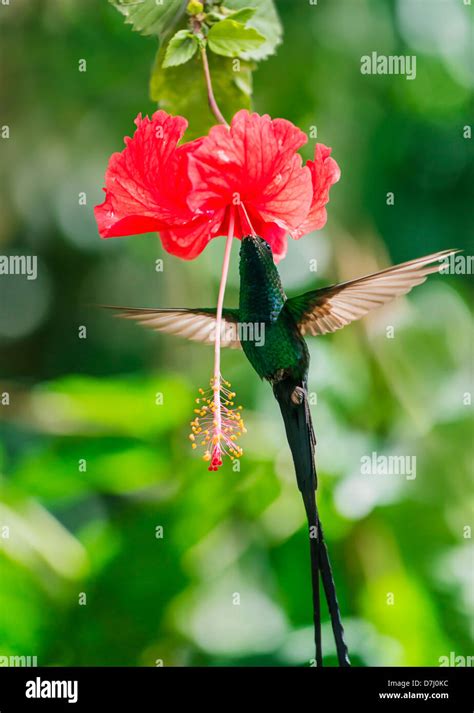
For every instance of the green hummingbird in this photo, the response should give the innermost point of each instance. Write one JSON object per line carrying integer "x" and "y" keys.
{"x": 277, "y": 350}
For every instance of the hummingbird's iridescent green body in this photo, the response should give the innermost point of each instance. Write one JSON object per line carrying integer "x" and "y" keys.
{"x": 282, "y": 351}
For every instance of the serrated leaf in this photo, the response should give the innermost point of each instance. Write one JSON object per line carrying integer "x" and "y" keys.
{"x": 266, "y": 21}
{"x": 150, "y": 17}
{"x": 182, "y": 90}
{"x": 181, "y": 47}
{"x": 232, "y": 39}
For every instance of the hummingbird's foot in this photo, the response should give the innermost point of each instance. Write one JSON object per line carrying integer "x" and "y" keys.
{"x": 297, "y": 395}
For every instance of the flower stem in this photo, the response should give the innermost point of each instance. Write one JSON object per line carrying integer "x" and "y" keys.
{"x": 210, "y": 92}
{"x": 220, "y": 303}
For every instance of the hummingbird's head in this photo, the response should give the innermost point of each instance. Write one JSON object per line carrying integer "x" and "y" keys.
{"x": 256, "y": 257}
{"x": 261, "y": 292}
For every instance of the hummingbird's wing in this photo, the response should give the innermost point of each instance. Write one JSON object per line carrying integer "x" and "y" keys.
{"x": 196, "y": 324}
{"x": 331, "y": 308}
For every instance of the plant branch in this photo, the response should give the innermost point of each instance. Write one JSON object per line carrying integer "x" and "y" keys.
{"x": 210, "y": 93}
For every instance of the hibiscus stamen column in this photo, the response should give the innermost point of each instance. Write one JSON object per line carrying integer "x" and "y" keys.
{"x": 216, "y": 454}
{"x": 246, "y": 216}
{"x": 218, "y": 423}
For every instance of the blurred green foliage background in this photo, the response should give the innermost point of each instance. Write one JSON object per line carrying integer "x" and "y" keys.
{"x": 93, "y": 531}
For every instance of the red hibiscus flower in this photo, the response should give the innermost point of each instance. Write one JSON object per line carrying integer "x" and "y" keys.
{"x": 146, "y": 187}
{"x": 188, "y": 193}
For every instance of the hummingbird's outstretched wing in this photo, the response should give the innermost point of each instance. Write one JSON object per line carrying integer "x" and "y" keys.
{"x": 196, "y": 324}
{"x": 331, "y": 308}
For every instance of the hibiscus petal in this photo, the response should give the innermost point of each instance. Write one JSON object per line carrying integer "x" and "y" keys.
{"x": 277, "y": 237}
{"x": 188, "y": 241}
{"x": 271, "y": 232}
{"x": 324, "y": 173}
{"x": 254, "y": 162}
{"x": 146, "y": 184}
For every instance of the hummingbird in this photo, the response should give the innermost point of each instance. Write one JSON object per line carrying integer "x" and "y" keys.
{"x": 282, "y": 359}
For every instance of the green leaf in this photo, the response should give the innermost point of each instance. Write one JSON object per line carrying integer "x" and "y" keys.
{"x": 243, "y": 81}
{"x": 231, "y": 39}
{"x": 243, "y": 15}
{"x": 150, "y": 17}
{"x": 181, "y": 47}
{"x": 182, "y": 90}
{"x": 266, "y": 21}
